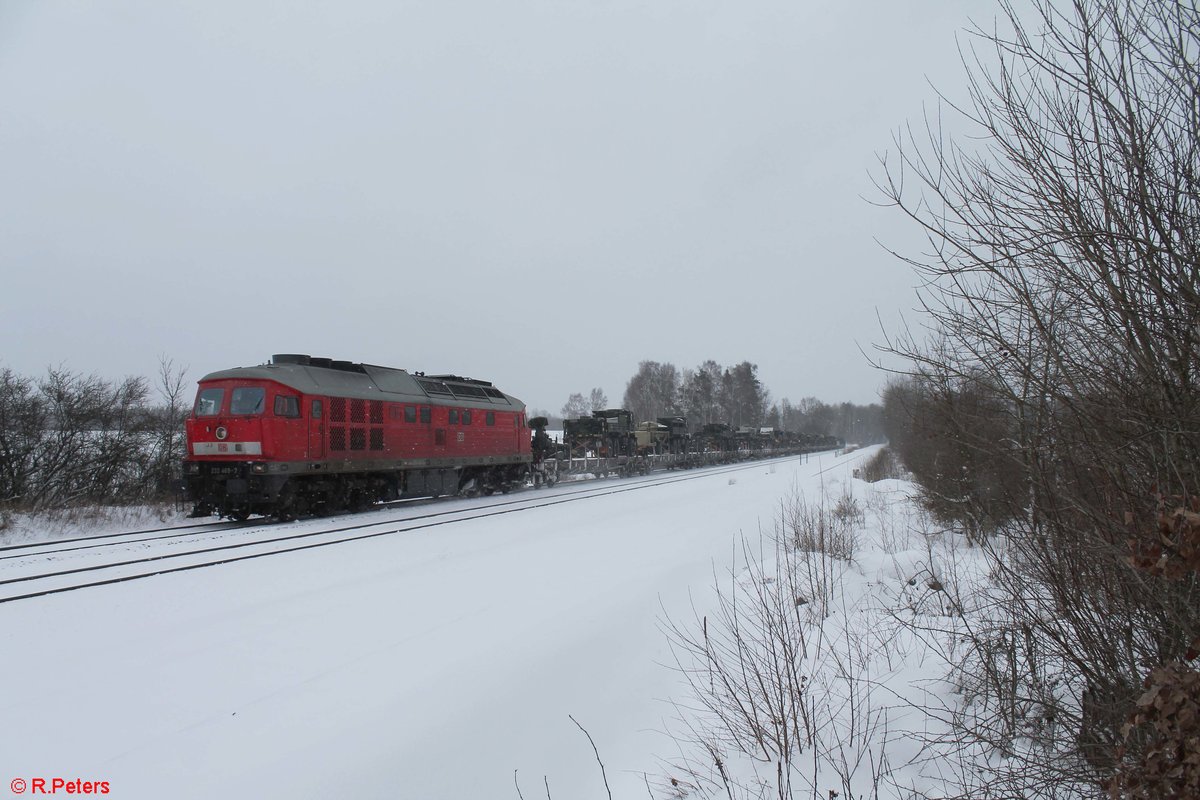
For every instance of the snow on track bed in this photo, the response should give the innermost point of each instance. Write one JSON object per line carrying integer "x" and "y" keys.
{"x": 47, "y": 546}
{"x": 416, "y": 666}
{"x": 37, "y": 573}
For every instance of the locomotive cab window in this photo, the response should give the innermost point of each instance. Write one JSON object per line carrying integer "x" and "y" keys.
{"x": 454, "y": 416}
{"x": 466, "y": 417}
{"x": 247, "y": 400}
{"x": 287, "y": 406}
{"x": 208, "y": 402}
{"x": 490, "y": 418}
{"x": 410, "y": 413}
{"x": 426, "y": 414}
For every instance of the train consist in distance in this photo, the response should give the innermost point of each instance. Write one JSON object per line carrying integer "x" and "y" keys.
{"x": 307, "y": 435}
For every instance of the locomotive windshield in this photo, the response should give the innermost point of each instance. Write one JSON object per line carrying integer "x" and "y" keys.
{"x": 247, "y": 400}
{"x": 208, "y": 402}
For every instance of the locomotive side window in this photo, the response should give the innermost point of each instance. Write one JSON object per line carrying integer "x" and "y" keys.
{"x": 286, "y": 406}
{"x": 490, "y": 419}
{"x": 410, "y": 413}
{"x": 426, "y": 414}
{"x": 466, "y": 417}
{"x": 454, "y": 416}
{"x": 208, "y": 402}
{"x": 247, "y": 400}
{"x": 316, "y": 409}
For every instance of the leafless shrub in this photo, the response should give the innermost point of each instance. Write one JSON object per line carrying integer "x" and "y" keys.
{"x": 818, "y": 529}
{"x": 782, "y": 707}
{"x": 74, "y": 440}
{"x": 1057, "y": 390}
{"x": 881, "y": 466}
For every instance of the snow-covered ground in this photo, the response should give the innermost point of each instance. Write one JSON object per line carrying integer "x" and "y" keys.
{"x": 434, "y": 663}
{"x": 22, "y": 528}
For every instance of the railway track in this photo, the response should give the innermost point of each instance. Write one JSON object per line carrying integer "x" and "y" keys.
{"x": 38, "y": 577}
{"x": 24, "y": 549}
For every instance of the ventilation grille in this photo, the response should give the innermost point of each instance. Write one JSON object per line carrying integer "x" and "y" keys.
{"x": 435, "y": 387}
{"x": 469, "y": 391}
{"x": 353, "y": 433}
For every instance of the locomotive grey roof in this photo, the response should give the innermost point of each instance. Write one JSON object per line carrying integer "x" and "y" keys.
{"x": 323, "y": 376}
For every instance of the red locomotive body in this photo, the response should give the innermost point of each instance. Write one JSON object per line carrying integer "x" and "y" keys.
{"x": 304, "y": 434}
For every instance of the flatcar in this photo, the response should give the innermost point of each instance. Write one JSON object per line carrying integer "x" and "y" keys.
{"x": 302, "y": 434}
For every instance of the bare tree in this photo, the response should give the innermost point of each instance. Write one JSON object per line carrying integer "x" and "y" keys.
{"x": 654, "y": 391}
{"x": 598, "y": 400}
{"x": 22, "y": 421}
{"x": 168, "y": 424}
{"x": 1054, "y": 399}
{"x": 699, "y": 394}
{"x": 71, "y": 439}
{"x": 575, "y": 407}
{"x": 746, "y": 399}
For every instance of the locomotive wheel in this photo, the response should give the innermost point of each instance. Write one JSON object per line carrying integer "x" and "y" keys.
{"x": 287, "y": 506}
{"x": 357, "y": 501}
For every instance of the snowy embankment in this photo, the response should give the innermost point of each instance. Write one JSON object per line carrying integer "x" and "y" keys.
{"x": 435, "y": 663}
{"x": 21, "y": 528}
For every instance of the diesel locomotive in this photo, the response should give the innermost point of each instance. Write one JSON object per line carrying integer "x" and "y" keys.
{"x": 302, "y": 435}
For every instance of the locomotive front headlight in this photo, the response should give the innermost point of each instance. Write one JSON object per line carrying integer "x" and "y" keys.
{"x": 258, "y": 469}
{"x": 191, "y": 468}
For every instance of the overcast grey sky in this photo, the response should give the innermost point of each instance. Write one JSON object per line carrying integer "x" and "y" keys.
{"x": 538, "y": 193}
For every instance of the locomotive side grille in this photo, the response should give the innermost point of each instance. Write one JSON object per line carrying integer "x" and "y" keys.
{"x": 468, "y": 391}
{"x": 358, "y": 411}
{"x": 337, "y": 438}
{"x": 358, "y": 439}
{"x": 376, "y": 412}
{"x": 337, "y": 409}
{"x": 377, "y": 438}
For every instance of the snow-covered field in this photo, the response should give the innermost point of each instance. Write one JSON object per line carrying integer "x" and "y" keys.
{"x": 436, "y": 663}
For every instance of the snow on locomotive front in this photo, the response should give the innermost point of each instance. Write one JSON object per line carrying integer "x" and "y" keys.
{"x": 312, "y": 435}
